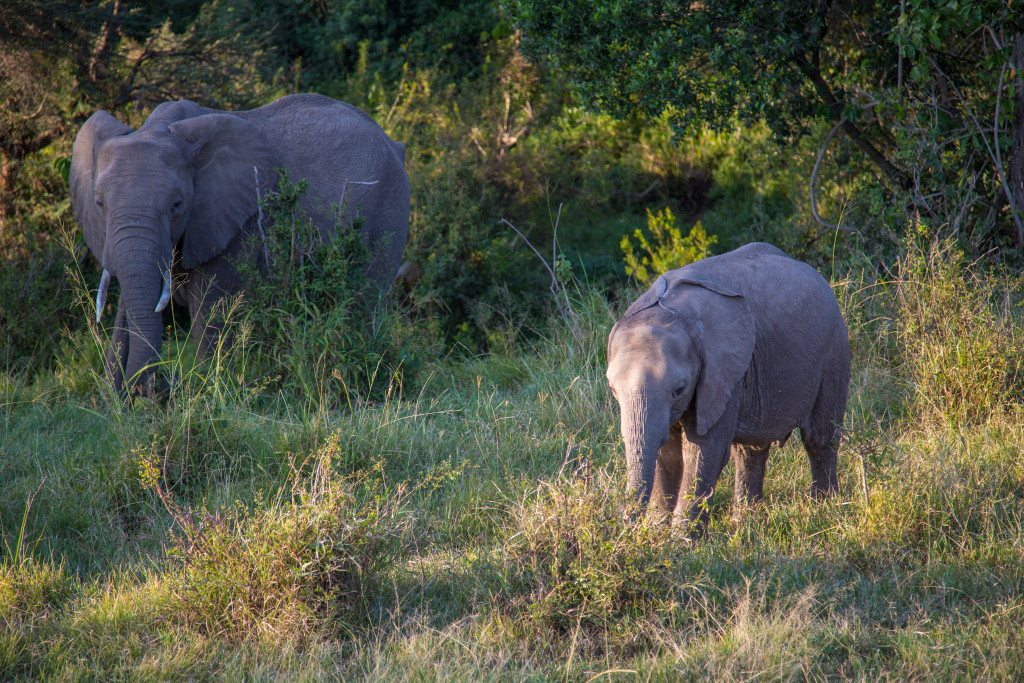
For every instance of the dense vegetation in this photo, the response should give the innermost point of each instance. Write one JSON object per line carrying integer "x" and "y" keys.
{"x": 439, "y": 493}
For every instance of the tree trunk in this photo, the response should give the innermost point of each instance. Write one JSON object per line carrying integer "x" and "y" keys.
{"x": 1015, "y": 164}
{"x": 104, "y": 46}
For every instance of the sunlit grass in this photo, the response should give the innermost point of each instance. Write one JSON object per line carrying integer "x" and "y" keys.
{"x": 515, "y": 558}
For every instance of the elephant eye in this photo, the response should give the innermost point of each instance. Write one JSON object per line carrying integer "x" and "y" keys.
{"x": 176, "y": 205}
{"x": 99, "y": 202}
{"x": 678, "y": 393}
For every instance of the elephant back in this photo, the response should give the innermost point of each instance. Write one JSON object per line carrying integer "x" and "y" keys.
{"x": 353, "y": 169}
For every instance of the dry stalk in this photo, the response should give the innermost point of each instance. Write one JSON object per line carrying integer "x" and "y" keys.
{"x": 558, "y": 290}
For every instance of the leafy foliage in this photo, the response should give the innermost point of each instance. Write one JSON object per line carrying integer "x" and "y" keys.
{"x": 909, "y": 85}
{"x": 323, "y": 42}
{"x": 588, "y": 562}
{"x": 292, "y": 568}
{"x": 310, "y": 320}
{"x": 666, "y": 249}
{"x": 37, "y": 307}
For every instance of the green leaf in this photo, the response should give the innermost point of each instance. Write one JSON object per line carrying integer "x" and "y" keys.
{"x": 63, "y": 166}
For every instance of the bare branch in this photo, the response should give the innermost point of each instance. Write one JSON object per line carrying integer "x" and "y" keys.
{"x": 557, "y": 288}
{"x": 994, "y": 154}
{"x": 814, "y": 182}
{"x": 532, "y": 248}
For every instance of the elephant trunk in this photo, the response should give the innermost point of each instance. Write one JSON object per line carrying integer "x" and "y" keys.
{"x": 141, "y": 266}
{"x": 644, "y": 430}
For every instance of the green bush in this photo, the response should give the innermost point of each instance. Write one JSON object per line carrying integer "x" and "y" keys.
{"x": 666, "y": 249}
{"x": 38, "y": 307}
{"x": 305, "y": 565}
{"x": 961, "y": 346}
{"x": 478, "y": 283}
{"x": 312, "y": 322}
{"x": 592, "y": 561}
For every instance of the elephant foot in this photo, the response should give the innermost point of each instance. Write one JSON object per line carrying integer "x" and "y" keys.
{"x": 690, "y": 527}
{"x": 154, "y": 387}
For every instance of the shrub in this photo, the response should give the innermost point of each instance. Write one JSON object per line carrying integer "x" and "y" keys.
{"x": 292, "y": 568}
{"x": 591, "y": 560}
{"x": 961, "y": 346}
{"x": 666, "y": 249}
{"x": 312, "y": 321}
{"x": 477, "y": 282}
{"x": 38, "y": 306}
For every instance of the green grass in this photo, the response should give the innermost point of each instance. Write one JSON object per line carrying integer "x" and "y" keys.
{"x": 480, "y": 515}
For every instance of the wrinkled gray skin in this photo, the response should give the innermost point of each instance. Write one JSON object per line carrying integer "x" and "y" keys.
{"x": 728, "y": 356}
{"x": 179, "y": 197}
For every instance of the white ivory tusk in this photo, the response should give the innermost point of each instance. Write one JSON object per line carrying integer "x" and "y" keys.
{"x": 165, "y": 294}
{"x": 101, "y": 294}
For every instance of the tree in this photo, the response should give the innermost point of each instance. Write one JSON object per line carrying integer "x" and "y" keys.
{"x": 914, "y": 85}
{"x": 60, "y": 60}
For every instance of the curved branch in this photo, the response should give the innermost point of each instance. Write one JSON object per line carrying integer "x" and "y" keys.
{"x": 814, "y": 182}
{"x": 897, "y": 177}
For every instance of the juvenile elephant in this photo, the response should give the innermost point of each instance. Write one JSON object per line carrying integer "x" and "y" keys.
{"x": 730, "y": 353}
{"x": 190, "y": 181}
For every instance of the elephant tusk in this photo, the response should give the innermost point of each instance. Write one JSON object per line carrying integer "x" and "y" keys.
{"x": 101, "y": 294}
{"x": 165, "y": 294}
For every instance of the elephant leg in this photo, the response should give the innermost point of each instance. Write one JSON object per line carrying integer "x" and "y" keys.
{"x": 822, "y": 434}
{"x": 704, "y": 457}
{"x": 206, "y": 286}
{"x": 667, "y": 474}
{"x": 822, "y": 451}
{"x": 751, "y": 462}
{"x": 117, "y": 356}
{"x": 203, "y": 330}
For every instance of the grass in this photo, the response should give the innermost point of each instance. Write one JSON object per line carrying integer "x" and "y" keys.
{"x": 472, "y": 527}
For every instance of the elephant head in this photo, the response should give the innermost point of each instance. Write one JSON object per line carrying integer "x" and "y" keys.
{"x": 681, "y": 348}
{"x": 190, "y": 185}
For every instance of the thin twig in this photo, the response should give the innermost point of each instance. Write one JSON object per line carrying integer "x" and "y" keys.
{"x": 557, "y": 288}
{"x": 995, "y": 40}
{"x": 962, "y": 212}
{"x": 814, "y": 181}
{"x": 864, "y": 483}
{"x": 530, "y": 245}
{"x": 259, "y": 220}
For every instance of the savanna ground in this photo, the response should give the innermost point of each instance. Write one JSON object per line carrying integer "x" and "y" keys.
{"x": 432, "y": 487}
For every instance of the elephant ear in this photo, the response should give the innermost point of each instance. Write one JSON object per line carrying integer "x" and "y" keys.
{"x": 234, "y": 168}
{"x": 649, "y": 298}
{"x": 727, "y": 333}
{"x": 100, "y": 126}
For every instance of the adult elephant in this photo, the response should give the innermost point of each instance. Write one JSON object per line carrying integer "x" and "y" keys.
{"x": 190, "y": 181}
{"x": 727, "y": 356}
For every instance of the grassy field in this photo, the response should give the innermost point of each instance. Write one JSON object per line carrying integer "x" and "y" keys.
{"x": 472, "y": 527}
